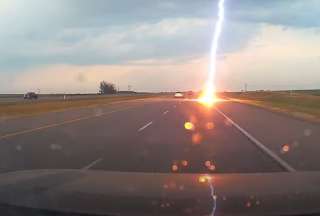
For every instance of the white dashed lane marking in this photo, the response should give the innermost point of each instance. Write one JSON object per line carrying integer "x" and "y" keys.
{"x": 93, "y": 163}
{"x": 165, "y": 112}
{"x": 145, "y": 126}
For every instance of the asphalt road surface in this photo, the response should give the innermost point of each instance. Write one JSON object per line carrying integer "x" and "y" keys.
{"x": 161, "y": 135}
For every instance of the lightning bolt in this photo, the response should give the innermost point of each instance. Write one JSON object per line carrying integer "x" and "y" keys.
{"x": 214, "y": 198}
{"x": 209, "y": 91}
{"x": 208, "y": 180}
{"x": 208, "y": 97}
{"x": 214, "y": 47}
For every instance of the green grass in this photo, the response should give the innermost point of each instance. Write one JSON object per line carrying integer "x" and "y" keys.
{"x": 37, "y": 107}
{"x": 304, "y": 104}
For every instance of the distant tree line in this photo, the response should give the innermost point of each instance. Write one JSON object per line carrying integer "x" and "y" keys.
{"x": 107, "y": 88}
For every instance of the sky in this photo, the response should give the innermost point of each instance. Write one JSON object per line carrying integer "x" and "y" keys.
{"x": 69, "y": 46}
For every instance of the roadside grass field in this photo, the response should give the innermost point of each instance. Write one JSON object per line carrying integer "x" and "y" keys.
{"x": 37, "y": 107}
{"x": 304, "y": 104}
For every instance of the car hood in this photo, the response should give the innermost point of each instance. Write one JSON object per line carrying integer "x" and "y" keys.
{"x": 126, "y": 193}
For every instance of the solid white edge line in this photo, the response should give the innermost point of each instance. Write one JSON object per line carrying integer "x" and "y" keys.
{"x": 267, "y": 151}
{"x": 145, "y": 126}
{"x": 92, "y": 164}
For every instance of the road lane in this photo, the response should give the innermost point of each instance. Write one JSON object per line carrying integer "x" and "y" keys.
{"x": 212, "y": 139}
{"x": 17, "y": 124}
{"x": 207, "y": 143}
{"x": 168, "y": 147}
{"x": 75, "y": 145}
{"x": 259, "y": 144}
{"x": 61, "y": 123}
{"x": 293, "y": 140}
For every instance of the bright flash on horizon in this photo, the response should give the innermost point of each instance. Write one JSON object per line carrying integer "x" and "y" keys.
{"x": 208, "y": 96}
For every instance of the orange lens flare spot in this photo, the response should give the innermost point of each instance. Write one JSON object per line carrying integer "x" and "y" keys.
{"x": 212, "y": 167}
{"x": 184, "y": 163}
{"x": 207, "y": 163}
{"x": 204, "y": 179}
{"x": 285, "y": 148}
{"x": 196, "y": 138}
{"x": 209, "y": 125}
{"x": 189, "y": 126}
{"x": 174, "y": 168}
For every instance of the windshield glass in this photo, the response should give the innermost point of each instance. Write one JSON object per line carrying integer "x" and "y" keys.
{"x": 160, "y": 107}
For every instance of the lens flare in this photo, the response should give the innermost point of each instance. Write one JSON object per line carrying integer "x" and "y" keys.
{"x": 208, "y": 96}
{"x": 188, "y": 126}
{"x": 174, "y": 168}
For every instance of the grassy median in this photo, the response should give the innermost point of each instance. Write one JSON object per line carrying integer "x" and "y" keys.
{"x": 36, "y": 107}
{"x": 303, "y": 104}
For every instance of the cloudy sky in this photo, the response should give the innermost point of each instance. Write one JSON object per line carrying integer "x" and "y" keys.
{"x": 161, "y": 45}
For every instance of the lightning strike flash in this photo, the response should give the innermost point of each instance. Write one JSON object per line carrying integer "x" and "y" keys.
{"x": 208, "y": 95}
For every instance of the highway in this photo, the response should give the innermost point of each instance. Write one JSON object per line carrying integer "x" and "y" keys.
{"x": 161, "y": 136}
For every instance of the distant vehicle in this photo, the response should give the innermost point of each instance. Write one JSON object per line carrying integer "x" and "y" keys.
{"x": 178, "y": 95}
{"x": 30, "y": 96}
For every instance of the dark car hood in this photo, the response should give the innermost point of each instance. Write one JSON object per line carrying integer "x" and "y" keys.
{"x": 124, "y": 193}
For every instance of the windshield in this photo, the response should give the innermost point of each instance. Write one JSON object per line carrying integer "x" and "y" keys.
{"x": 160, "y": 107}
